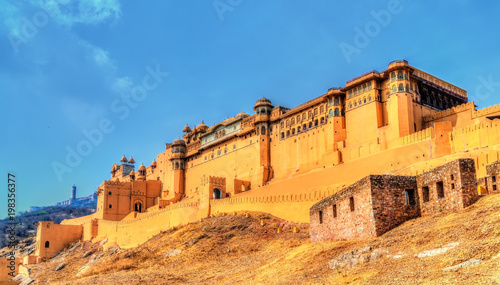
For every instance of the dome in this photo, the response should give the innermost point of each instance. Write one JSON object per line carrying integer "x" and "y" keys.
{"x": 186, "y": 129}
{"x": 153, "y": 164}
{"x": 132, "y": 173}
{"x": 131, "y": 160}
{"x": 241, "y": 115}
{"x": 124, "y": 159}
{"x": 202, "y": 127}
{"x": 178, "y": 142}
{"x": 142, "y": 167}
{"x": 263, "y": 102}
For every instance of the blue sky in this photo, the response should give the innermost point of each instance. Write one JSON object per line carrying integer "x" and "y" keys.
{"x": 113, "y": 78}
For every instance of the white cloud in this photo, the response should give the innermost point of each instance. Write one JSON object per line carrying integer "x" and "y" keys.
{"x": 122, "y": 85}
{"x": 90, "y": 12}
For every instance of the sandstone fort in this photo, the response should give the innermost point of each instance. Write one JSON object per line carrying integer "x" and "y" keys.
{"x": 354, "y": 162}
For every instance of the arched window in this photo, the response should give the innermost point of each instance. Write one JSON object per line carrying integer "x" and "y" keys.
{"x": 110, "y": 206}
{"x": 330, "y": 113}
{"x": 322, "y": 121}
{"x": 263, "y": 131}
{"x": 219, "y": 153}
{"x": 309, "y": 114}
{"x": 225, "y": 150}
{"x": 298, "y": 118}
{"x": 287, "y": 133}
{"x": 298, "y": 129}
{"x": 310, "y": 125}
{"x": 401, "y": 88}
{"x": 293, "y": 131}
{"x": 234, "y": 147}
{"x": 321, "y": 109}
{"x": 337, "y": 112}
{"x": 364, "y": 87}
{"x": 176, "y": 165}
{"x": 369, "y": 86}
{"x": 350, "y": 94}
{"x": 359, "y": 101}
{"x": 406, "y": 75}
{"x": 287, "y": 123}
{"x": 47, "y": 244}
{"x": 400, "y": 74}
{"x": 369, "y": 98}
{"x": 315, "y": 123}
{"x": 293, "y": 121}
{"x": 407, "y": 89}
{"x": 364, "y": 100}
{"x": 315, "y": 111}
{"x": 394, "y": 88}
{"x": 282, "y": 125}
{"x": 393, "y": 76}
{"x": 355, "y": 104}
{"x": 282, "y": 135}
{"x": 336, "y": 101}
{"x": 350, "y": 106}
{"x": 303, "y": 116}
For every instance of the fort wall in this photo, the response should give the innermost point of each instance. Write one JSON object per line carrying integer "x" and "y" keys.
{"x": 54, "y": 238}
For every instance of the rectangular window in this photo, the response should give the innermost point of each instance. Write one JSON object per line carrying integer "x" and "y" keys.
{"x": 494, "y": 188}
{"x": 410, "y": 197}
{"x": 320, "y": 214}
{"x": 452, "y": 177}
{"x": 425, "y": 193}
{"x": 334, "y": 211}
{"x": 351, "y": 203}
{"x": 440, "y": 189}
{"x": 494, "y": 179}
{"x": 452, "y": 185}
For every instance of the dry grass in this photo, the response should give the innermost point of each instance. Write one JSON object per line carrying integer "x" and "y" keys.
{"x": 238, "y": 250}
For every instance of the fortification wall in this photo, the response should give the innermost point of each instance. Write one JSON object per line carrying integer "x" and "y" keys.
{"x": 6, "y": 266}
{"x": 131, "y": 233}
{"x": 52, "y": 238}
{"x": 460, "y": 116}
{"x": 475, "y": 136}
{"x": 291, "y": 207}
{"x": 78, "y": 221}
{"x": 486, "y": 112}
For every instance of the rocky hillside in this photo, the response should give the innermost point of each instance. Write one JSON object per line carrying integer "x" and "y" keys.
{"x": 26, "y": 228}
{"x": 462, "y": 248}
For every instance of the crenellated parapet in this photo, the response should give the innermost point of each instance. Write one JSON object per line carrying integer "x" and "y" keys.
{"x": 486, "y": 111}
{"x": 449, "y": 112}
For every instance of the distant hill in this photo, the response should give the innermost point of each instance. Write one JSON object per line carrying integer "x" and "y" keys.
{"x": 26, "y": 228}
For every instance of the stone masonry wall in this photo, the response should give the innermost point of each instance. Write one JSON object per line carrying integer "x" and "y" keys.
{"x": 459, "y": 187}
{"x": 347, "y": 224}
{"x": 469, "y": 181}
{"x": 391, "y": 205}
{"x": 493, "y": 172}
